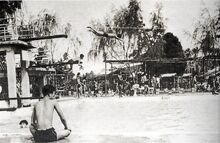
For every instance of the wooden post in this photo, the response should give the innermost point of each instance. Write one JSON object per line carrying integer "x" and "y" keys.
{"x": 11, "y": 75}
{"x": 105, "y": 78}
{"x": 25, "y": 81}
{"x": 45, "y": 79}
{"x": 25, "y": 84}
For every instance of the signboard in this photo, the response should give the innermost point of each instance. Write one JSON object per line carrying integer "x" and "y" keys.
{"x": 27, "y": 55}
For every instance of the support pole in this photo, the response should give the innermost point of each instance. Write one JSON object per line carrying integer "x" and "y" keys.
{"x": 25, "y": 84}
{"x": 105, "y": 77}
{"x": 11, "y": 75}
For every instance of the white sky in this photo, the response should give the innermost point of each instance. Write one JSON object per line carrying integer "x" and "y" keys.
{"x": 181, "y": 15}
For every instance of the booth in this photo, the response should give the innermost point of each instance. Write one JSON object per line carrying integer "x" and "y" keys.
{"x": 186, "y": 82}
{"x": 15, "y": 78}
{"x": 168, "y": 81}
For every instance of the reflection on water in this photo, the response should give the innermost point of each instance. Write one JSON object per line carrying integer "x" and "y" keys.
{"x": 187, "y": 119}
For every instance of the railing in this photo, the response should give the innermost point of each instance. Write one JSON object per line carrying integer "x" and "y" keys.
{"x": 13, "y": 32}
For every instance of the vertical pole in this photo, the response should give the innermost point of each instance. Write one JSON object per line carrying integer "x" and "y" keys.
{"x": 203, "y": 66}
{"x": 111, "y": 83}
{"x": 105, "y": 76}
{"x": 4, "y": 33}
{"x": 25, "y": 81}
{"x": 11, "y": 75}
{"x": 45, "y": 79}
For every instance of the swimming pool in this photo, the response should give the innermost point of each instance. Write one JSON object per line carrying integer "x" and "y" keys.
{"x": 155, "y": 119}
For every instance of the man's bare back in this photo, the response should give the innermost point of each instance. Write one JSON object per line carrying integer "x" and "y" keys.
{"x": 42, "y": 118}
{"x": 44, "y": 114}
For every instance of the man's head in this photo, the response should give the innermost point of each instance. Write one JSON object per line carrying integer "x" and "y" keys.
{"x": 78, "y": 74}
{"x": 48, "y": 90}
{"x": 23, "y": 123}
{"x": 81, "y": 56}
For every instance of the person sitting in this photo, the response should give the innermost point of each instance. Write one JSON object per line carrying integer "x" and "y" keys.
{"x": 42, "y": 117}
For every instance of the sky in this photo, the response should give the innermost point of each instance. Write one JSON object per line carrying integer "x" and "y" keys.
{"x": 181, "y": 16}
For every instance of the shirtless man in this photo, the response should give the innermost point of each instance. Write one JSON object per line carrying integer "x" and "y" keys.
{"x": 104, "y": 34}
{"x": 42, "y": 117}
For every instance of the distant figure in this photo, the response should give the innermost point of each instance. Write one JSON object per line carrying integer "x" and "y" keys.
{"x": 120, "y": 84}
{"x": 81, "y": 57}
{"x": 154, "y": 80}
{"x": 42, "y": 117}
{"x": 95, "y": 88}
{"x": 23, "y": 123}
{"x": 79, "y": 85}
{"x": 104, "y": 34}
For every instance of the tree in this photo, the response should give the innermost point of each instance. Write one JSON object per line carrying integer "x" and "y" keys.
{"x": 157, "y": 21}
{"x": 126, "y": 23}
{"x": 205, "y": 34}
{"x": 205, "y": 37}
{"x": 45, "y": 24}
{"x": 152, "y": 41}
{"x": 7, "y": 9}
{"x": 73, "y": 41}
{"x": 172, "y": 46}
{"x": 130, "y": 18}
{"x": 99, "y": 43}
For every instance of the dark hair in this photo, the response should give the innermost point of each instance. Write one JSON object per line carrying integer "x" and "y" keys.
{"x": 23, "y": 122}
{"x": 47, "y": 89}
{"x": 81, "y": 56}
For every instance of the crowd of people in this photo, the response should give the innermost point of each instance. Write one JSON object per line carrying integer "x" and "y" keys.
{"x": 117, "y": 84}
{"x": 128, "y": 85}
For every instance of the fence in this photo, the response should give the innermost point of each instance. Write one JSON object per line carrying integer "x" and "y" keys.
{"x": 13, "y": 32}
{"x": 63, "y": 83}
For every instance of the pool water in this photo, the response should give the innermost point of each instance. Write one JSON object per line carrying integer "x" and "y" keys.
{"x": 183, "y": 118}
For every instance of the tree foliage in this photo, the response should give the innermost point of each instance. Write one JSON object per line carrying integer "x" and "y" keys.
{"x": 172, "y": 46}
{"x": 125, "y": 22}
{"x": 46, "y": 23}
{"x": 7, "y": 9}
{"x": 151, "y": 42}
{"x": 205, "y": 30}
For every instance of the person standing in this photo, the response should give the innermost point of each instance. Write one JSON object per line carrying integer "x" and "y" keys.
{"x": 78, "y": 85}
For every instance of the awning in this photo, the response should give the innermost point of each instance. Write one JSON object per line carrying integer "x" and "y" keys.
{"x": 168, "y": 75}
{"x": 186, "y": 75}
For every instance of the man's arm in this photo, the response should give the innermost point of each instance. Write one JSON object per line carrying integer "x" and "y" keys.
{"x": 33, "y": 117}
{"x": 60, "y": 113}
{"x": 33, "y": 125}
